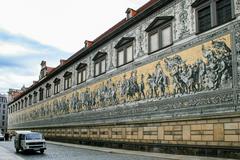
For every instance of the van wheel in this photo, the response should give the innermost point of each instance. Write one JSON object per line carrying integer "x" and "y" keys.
{"x": 17, "y": 150}
{"x": 42, "y": 151}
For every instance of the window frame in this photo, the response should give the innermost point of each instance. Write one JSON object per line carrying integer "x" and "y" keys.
{"x": 56, "y": 88}
{"x": 213, "y": 14}
{"x": 48, "y": 90}
{"x": 67, "y": 80}
{"x": 81, "y": 71}
{"x": 35, "y": 94}
{"x": 99, "y": 61}
{"x": 159, "y": 30}
{"x": 25, "y": 102}
{"x": 41, "y": 94}
{"x": 30, "y": 99}
{"x": 124, "y": 49}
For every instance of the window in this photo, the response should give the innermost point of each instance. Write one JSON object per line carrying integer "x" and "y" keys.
{"x": 30, "y": 100}
{"x": 19, "y": 105}
{"x": 124, "y": 51}
{"x": 22, "y": 103}
{"x": 56, "y": 85}
{"x": 224, "y": 12}
{"x": 3, "y": 117}
{"x": 48, "y": 89}
{"x": 3, "y": 123}
{"x": 25, "y": 102}
{"x": 35, "y": 97}
{"x": 67, "y": 80}
{"x": 204, "y": 19}
{"x": 99, "y": 63}
{"x": 160, "y": 33}
{"x": 4, "y": 106}
{"x": 81, "y": 73}
{"x": 41, "y": 90}
{"x": 212, "y": 13}
{"x": 3, "y": 111}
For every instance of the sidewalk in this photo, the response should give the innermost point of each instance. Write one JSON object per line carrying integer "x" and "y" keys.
{"x": 6, "y": 155}
{"x": 138, "y": 153}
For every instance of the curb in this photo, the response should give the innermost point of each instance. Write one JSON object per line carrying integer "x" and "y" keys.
{"x": 138, "y": 153}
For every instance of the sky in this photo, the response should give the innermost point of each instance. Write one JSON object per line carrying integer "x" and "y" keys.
{"x": 36, "y": 30}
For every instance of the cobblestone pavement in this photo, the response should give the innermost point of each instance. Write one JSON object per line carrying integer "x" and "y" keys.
{"x": 70, "y": 153}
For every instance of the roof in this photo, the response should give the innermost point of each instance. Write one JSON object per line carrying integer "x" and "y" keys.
{"x": 147, "y": 9}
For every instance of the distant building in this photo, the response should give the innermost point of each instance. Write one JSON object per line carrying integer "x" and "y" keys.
{"x": 3, "y": 113}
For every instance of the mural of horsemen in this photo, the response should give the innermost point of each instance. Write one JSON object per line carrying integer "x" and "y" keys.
{"x": 205, "y": 67}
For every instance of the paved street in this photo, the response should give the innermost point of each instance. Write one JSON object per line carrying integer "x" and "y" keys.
{"x": 70, "y": 153}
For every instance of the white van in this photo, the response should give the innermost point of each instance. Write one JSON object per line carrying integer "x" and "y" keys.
{"x": 27, "y": 140}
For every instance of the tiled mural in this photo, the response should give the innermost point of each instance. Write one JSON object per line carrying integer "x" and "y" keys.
{"x": 205, "y": 67}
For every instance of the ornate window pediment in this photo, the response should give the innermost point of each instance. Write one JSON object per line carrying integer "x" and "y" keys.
{"x": 56, "y": 80}
{"x": 198, "y": 2}
{"x": 67, "y": 74}
{"x": 48, "y": 85}
{"x": 81, "y": 66}
{"x": 123, "y": 41}
{"x": 158, "y": 21}
{"x": 99, "y": 55}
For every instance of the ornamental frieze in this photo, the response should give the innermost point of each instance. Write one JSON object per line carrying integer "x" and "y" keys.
{"x": 203, "y": 68}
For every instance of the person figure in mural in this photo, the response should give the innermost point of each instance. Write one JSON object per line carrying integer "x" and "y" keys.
{"x": 108, "y": 92}
{"x": 131, "y": 89}
{"x": 152, "y": 85}
{"x": 224, "y": 57}
{"x": 73, "y": 104}
{"x": 201, "y": 72}
{"x": 218, "y": 64}
{"x": 114, "y": 99}
{"x": 161, "y": 80}
{"x": 87, "y": 98}
{"x": 124, "y": 86}
{"x": 142, "y": 87}
{"x": 179, "y": 72}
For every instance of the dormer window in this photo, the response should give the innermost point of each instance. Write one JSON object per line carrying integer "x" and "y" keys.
{"x": 99, "y": 63}
{"x": 56, "y": 85}
{"x": 81, "y": 72}
{"x": 67, "y": 80}
{"x": 124, "y": 51}
{"x": 160, "y": 33}
{"x": 48, "y": 89}
{"x": 211, "y": 13}
{"x": 88, "y": 43}
{"x": 130, "y": 13}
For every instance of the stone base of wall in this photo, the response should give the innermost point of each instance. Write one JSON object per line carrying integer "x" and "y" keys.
{"x": 219, "y": 136}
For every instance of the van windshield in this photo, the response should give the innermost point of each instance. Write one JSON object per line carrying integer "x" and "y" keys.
{"x": 34, "y": 136}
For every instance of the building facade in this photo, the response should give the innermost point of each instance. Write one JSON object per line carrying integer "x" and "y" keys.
{"x": 3, "y": 114}
{"x": 166, "y": 75}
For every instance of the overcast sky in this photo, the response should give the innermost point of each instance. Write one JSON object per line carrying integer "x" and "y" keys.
{"x": 36, "y": 30}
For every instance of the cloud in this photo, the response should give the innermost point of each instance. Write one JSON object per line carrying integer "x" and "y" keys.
{"x": 9, "y": 49}
{"x": 20, "y": 59}
{"x": 27, "y": 26}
